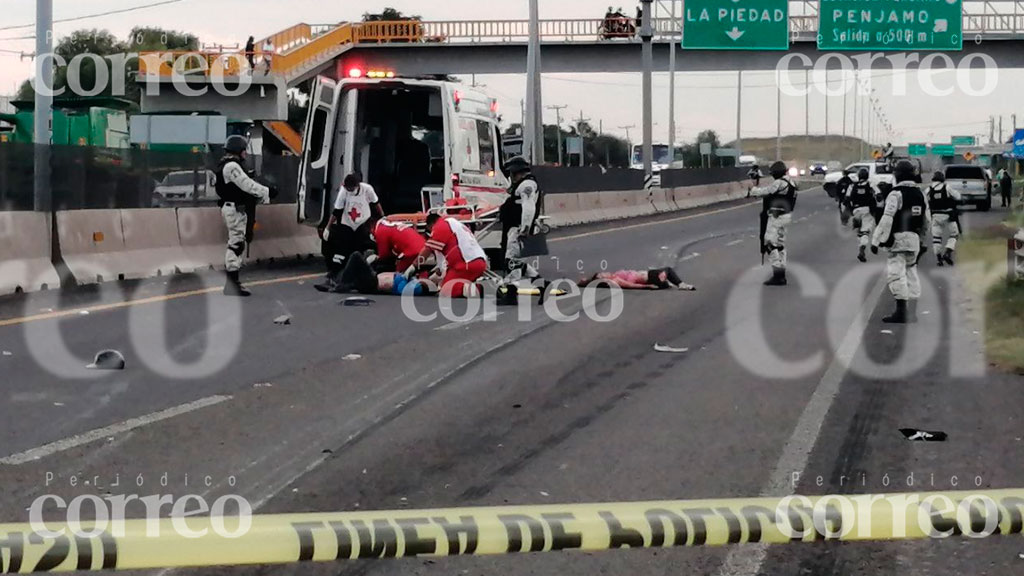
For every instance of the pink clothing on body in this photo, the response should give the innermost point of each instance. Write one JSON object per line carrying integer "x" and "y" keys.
{"x": 631, "y": 276}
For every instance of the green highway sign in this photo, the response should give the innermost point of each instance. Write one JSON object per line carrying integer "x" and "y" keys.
{"x": 963, "y": 141}
{"x": 943, "y": 150}
{"x": 917, "y": 149}
{"x": 736, "y": 25}
{"x": 890, "y": 25}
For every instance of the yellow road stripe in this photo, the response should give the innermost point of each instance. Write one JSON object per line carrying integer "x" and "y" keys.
{"x": 653, "y": 223}
{"x": 141, "y": 301}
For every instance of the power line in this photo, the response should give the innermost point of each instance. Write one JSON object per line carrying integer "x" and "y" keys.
{"x": 99, "y": 15}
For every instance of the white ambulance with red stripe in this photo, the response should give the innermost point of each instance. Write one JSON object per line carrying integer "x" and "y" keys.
{"x": 423, "y": 144}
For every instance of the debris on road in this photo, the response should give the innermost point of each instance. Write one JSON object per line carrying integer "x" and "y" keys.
{"x": 544, "y": 494}
{"x": 83, "y": 312}
{"x": 284, "y": 320}
{"x": 107, "y": 360}
{"x": 358, "y": 301}
{"x": 263, "y": 385}
{"x": 889, "y": 332}
{"x": 669, "y": 349}
{"x": 351, "y": 357}
{"x": 916, "y": 435}
{"x": 7, "y": 353}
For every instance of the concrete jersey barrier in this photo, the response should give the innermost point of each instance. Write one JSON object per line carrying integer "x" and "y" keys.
{"x": 25, "y": 247}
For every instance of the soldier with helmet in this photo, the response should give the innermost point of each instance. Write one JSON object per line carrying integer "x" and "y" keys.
{"x": 902, "y": 230}
{"x": 239, "y": 194}
{"x": 862, "y": 197}
{"x": 520, "y": 216}
{"x": 943, "y": 203}
{"x": 776, "y": 216}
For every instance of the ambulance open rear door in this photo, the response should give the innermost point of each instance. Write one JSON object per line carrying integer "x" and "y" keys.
{"x": 314, "y": 169}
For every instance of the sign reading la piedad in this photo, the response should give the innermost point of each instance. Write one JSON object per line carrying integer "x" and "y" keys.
{"x": 890, "y": 25}
{"x": 736, "y": 25}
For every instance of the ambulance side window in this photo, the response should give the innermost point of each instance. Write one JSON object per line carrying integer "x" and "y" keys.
{"x": 485, "y": 132}
{"x": 478, "y": 146}
{"x": 319, "y": 132}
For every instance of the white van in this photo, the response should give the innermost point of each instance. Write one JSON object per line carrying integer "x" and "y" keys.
{"x": 419, "y": 143}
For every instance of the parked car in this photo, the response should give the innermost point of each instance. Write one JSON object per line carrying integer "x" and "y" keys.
{"x": 186, "y": 186}
{"x": 973, "y": 182}
{"x": 879, "y": 174}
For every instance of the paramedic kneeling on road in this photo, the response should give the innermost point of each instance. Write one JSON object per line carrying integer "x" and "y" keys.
{"x": 465, "y": 259}
{"x": 398, "y": 244}
{"x": 348, "y": 229}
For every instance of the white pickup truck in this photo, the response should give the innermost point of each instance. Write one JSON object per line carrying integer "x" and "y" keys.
{"x": 879, "y": 174}
{"x": 973, "y": 182}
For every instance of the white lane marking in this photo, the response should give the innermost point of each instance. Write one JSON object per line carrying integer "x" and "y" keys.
{"x": 735, "y": 242}
{"x": 690, "y": 256}
{"x": 473, "y": 320}
{"x": 748, "y": 560}
{"x": 113, "y": 430}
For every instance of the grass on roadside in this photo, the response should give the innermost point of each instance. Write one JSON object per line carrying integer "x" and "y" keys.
{"x": 1004, "y": 302}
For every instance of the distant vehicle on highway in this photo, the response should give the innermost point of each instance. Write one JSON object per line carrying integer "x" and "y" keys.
{"x": 746, "y": 160}
{"x": 817, "y": 168}
{"x": 185, "y": 186}
{"x": 973, "y": 182}
{"x": 661, "y": 160}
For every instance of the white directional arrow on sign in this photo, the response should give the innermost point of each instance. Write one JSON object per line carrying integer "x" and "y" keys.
{"x": 735, "y": 33}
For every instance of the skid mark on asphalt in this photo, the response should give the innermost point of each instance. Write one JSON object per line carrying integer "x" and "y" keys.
{"x": 113, "y": 430}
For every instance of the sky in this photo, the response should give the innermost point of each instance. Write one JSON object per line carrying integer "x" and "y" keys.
{"x": 703, "y": 101}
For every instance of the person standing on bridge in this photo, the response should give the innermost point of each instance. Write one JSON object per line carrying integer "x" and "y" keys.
{"x": 239, "y": 194}
{"x": 902, "y": 230}
{"x": 776, "y": 216}
{"x": 268, "y": 55}
{"x": 861, "y": 199}
{"x": 943, "y": 203}
{"x": 348, "y": 228}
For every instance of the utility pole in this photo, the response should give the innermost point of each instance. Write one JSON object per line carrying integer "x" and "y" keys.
{"x": 739, "y": 111}
{"x": 991, "y": 129}
{"x": 558, "y": 128}
{"x": 43, "y": 134}
{"x": 826, "y": 108}
{"x": 533, "y": 144}
{"x": 583, "y": 141}
{"x": 627, "y": 129}
{"x": 647, "y": 36}
{"x": 1001, "y": 129}
{"x": 807, "y": 108}
{"x": 856, "y": 97}
{"x": 846, "y": 93}
{"x": 1014, "y": 117}
{"x": 672, "y": 87}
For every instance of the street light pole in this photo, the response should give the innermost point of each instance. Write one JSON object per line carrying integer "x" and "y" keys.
{"x": 778, "y": 120}
{"x": 43, "y": 133}
{"x": 672, "y": 87}
{"x": 647, "y": 36}
{"x": 534, "y": 133}
{"x": 739, "y": 111}
{"x": 558, "y": 128}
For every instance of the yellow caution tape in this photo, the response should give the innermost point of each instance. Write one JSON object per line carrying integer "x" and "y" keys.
{"x": 279, "y": 539}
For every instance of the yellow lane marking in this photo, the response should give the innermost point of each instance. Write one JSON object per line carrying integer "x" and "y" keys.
{"x": 142, "y": 301}
{"x": 653, "y": 223}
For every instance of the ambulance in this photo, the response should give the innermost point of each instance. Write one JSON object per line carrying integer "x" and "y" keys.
{"x": 425, "y": 144}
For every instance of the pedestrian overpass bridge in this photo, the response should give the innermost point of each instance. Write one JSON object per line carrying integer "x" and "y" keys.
{"x": 994, "y": 28}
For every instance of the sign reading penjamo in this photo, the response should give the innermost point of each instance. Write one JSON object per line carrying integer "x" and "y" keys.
{"x": 890, "y": 25}
{"x": 280, "y": 539}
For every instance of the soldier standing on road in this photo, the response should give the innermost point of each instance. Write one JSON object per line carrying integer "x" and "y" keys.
{"x": 776, "y": 216}
{"x": 943, "y": 204}
{"x": 861, "y": 198}
{"x": 519, "y": 215}
{"x": 902, "y": 230}
{"x": 755, "y": 174}
{"x": 239, "y": 194}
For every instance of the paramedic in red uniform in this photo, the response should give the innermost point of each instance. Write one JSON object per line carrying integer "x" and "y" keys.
{"x": 466, "y": 261}
{"x": 398, "y": 242}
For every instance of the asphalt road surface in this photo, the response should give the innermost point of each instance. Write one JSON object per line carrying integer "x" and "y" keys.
{"x": 785, "y": 390}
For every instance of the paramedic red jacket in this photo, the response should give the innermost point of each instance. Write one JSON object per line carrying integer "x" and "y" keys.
{"x": 400, "y": 241}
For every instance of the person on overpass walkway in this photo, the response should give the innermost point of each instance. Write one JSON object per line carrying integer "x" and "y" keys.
{"x": 776, "y": 216}
{"x": 943, "y": 203}
{"x": 902, "y": 230}
{"x": 239, "y": 194}
{"x": 348, "y": 228}
{"x": 250, "y": 53}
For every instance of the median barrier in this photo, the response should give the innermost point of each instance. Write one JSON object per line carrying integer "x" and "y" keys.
{"x": 203, "y": 237}
{"x": 25, "y": 258}
{"x": 592, "y": 208}
{"x": 562, "y": 209}
{"x": 152, "y": 244}
{"x": 278, "y": 235}
{"x": 92, "y": 245}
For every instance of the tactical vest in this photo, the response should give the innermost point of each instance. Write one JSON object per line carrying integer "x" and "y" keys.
{"x": 940, "y": 200}
{"x": 229, "y": 191}
{"x": 781, "y": 203}
{"x": 910, "y": 216}
{"x": 511, "y": 212}
{"x": 862, "y": 195}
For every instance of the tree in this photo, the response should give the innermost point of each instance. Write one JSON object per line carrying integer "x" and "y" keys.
{"x": 388, "y": 15}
